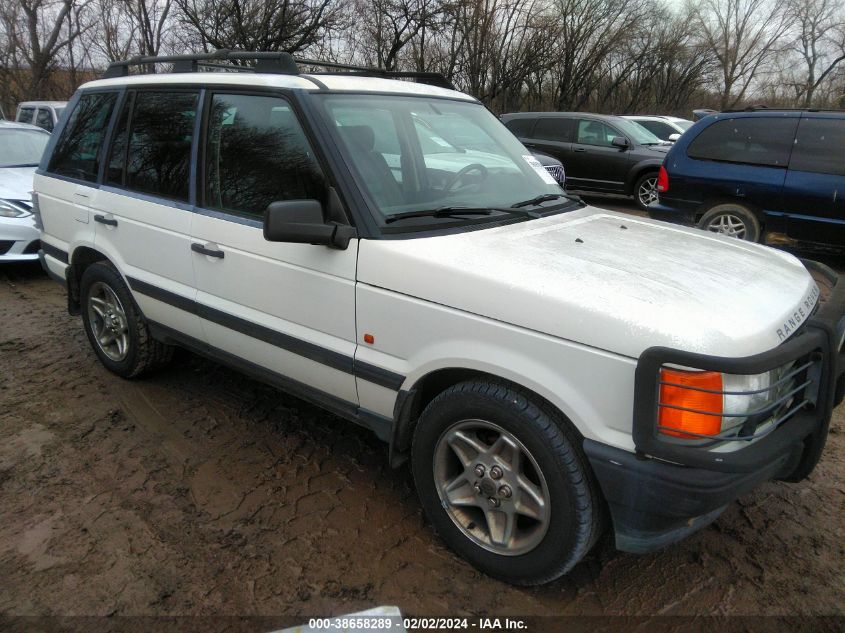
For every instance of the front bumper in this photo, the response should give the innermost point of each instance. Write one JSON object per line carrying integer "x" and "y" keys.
{"x": 19, "y": 239}
{"x": 668, "y": 490}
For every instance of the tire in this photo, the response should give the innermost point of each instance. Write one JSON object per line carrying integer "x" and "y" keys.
{"x": 732, "y": 219}
{"x": 645, "y": 190}
{"x": 109, "y": 314}
{"x": 541, "y": 548}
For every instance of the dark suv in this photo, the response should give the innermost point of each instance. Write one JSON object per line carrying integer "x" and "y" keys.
{"x": 747, "y": 173}
{"x": 601, "y": 153}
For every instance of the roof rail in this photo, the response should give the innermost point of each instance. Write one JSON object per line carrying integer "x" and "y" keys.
{"x": 280, "y": 62}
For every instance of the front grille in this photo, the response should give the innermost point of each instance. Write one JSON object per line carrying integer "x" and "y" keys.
{"x": 5, "y": 245}
{"x": 557, "y": 172}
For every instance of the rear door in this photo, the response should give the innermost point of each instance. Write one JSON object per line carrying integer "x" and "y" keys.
{"x": 601, "y": 165}
{"x": 553, "y": 136}
{"x": 285, "y": 309}
{"x": 142, "y": 213}
{"x": 814, "y": 189}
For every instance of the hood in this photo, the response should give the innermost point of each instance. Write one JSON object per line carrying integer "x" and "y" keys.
{"x": 16, "y": 183}
{"x": 662, "y": 150}
{"x": 606, "y": 280}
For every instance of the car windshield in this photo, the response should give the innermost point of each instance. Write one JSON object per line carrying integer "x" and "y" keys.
{"x": 636, "y": 132}
{"x": 416, "y": 154}
{"x": 22, "y": 148}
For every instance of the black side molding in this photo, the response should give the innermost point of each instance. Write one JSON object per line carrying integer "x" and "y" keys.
{"x": 54, "y": 252}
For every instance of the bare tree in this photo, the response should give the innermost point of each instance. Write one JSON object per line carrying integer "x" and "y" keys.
{"x": 388, "y": 26}
{"x": 819, "y": 41}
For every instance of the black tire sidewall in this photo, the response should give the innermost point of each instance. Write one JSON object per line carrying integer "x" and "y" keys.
{"x": 109, "y": 276}
{"x": 752, "y": 224}
{"x": 554, "y": 553}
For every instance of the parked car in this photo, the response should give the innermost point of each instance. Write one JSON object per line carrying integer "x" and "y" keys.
{"x": 666, "y": 128}
{"x": 539, "y": 361}
{"x": 553, "y": 166}
{"x": 44, "y": 114}
{"x": 745, "y": 173}
{"x": 21, "y": 147}
{"x": 602, "y": 154}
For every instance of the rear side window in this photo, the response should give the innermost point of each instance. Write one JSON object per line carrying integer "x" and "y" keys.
{"x": 520, "y": 127}
{"x": 257, "y": 153}
{"x": 25, "y": 114}
{"x": 819, "y": 147}
{"x": 556, "y": 129}
{"x": 754, "y": 141}
{"x": 159, "y": 156}
{"x": 79, "y": 149}
{"x": 44, "y": 119}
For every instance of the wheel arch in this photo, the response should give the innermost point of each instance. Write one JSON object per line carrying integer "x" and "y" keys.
{"x": 80, "y": 259}
{"x": 637, "y": 171}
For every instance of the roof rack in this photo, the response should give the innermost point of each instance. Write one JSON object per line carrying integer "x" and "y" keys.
{"x": 279, "y": 63}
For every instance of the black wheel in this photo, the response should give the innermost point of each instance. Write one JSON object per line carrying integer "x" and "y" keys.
{"x": 731, "y": 219}
{"x": 505, "y": 483}
{"x": 645, "y": 190}
{"x": 114, "y": 325}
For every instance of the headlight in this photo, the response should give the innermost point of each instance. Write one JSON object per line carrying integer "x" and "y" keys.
{"x": 9, "y": 209}
{"x": 704, "y": 404}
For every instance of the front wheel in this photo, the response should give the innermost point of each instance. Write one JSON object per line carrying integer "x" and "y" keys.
{"x": 733, "y": 220}
{"x": 505, "y": 483}
{"x": 645, "y": 191}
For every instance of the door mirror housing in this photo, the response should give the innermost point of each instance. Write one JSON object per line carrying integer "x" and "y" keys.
{"x": 674, "y": 137}
{"x": 620, "y": 141}
{"x": 302, "y": 222}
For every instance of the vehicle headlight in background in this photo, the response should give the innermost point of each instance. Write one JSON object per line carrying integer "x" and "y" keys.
{"x": 9, "y": 209}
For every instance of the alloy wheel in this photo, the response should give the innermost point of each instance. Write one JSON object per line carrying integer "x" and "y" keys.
{"x": 108, "y": 321}
{"x": 727, "y": 224}
{"x": 647, "y": 192}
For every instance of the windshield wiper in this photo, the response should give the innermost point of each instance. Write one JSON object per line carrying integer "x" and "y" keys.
{"x": 538, "y": 199}
{"x": 439, "y": 212}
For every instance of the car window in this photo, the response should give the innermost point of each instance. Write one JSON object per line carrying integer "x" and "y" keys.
{"x": 78, "y": 151}
{"x": 159, "y": 155}
{"x": 257, "y": 153}
{"x": 25, "y": 115}
{"x": 755, "y": 141}
{"x": 116, "y": 164}
{"x": 554, "y": 129}
{"x": 595, "y": 133}
{"x": 44, "y": 119}
{"x": 520, "y": 127}
{"x": 658, "y": 128}
{"x": 818, "y": 147}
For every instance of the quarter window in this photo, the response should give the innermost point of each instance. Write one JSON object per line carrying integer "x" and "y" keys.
{"x": 755, "y": 141}
{"x": 79, "y": 150}
{"x": 257, "y": 153}
{"x": 159, "y": 156}
{"x": 819, "y": 147}
{"x": 550, "y": 129}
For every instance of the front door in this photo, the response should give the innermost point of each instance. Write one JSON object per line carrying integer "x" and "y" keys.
{"x": 284, "y": 310}
{"x": 602, "y": 166}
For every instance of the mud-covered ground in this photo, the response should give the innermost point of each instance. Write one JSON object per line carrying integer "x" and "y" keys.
{"x": 199, "y": 491}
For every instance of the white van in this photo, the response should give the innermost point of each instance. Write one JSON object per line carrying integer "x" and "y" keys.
{"x": 549, "y": 368}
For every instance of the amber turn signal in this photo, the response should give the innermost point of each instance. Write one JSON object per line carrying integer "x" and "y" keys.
{"x": 693, "y": 392}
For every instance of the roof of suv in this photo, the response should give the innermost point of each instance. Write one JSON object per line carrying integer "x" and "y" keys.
{"x": 654, "y": 117}
{"x": 545, "y": 115}
{"x": 341, "y": 82}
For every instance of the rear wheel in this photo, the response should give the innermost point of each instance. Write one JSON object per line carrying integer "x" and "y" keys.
{"x": 645, "y": 191}
{"x": 504, "y": 482}
{"x": 115, "y": 327}
{"x": 733, "y": 220}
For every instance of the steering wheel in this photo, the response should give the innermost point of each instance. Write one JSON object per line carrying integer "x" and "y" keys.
{"x": 481, "y": 169}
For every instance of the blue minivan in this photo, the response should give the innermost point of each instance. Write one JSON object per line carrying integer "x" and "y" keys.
{"x": 751, "y": 172}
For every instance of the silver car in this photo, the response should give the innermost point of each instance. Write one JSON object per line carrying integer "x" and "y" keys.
{"x": 21, "y": 146}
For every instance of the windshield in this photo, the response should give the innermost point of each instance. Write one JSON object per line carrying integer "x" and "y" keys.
{"x": 636, "y": 132}
{"x": 22, "y": 148}
{"x": 414, "y": 154}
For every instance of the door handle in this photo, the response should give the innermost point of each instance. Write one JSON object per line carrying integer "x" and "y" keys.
{"x": 579, "y": 149}
{"x": 202, "y": 250}
{"x": 104, "y": 220}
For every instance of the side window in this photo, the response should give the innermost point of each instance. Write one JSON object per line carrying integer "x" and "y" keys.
{"x": 44, "y": 119}
{"x": 116, "y": 166}
{"x": 553, "y": 129}
{"x": 257, "y": 153}
{"x": 79, "y": 149}
{"x": 818, "y": 147}
{"x": 660, "y": 130}
{"x": 520, "y": 127}
{"x": 25, "y": 115}
{"x": 595, "y": 133}
{"x": 755, "y": 141}
{"x": 159, "y": 155}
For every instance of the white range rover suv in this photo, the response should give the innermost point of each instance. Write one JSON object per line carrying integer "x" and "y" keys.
{"x": 549, "y": 368}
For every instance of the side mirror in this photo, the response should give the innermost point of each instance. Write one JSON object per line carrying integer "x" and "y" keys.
{"x": 301, "y": 222}
{"x": 619, "y": 141}
{"x": 674, "y": 137}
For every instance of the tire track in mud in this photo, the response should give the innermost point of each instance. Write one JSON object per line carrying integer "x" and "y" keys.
{"x": 199, "y": 491}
